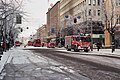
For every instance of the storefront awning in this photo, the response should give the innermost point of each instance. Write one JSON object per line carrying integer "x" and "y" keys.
{"x": 51, "y": 36}
{"x": 98, "y": 36}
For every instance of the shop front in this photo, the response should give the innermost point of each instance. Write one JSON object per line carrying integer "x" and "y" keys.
{"x": 98, "y": 38}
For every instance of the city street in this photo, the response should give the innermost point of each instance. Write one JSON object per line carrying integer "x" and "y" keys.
{"x": 34, "y": 63}
{"x": 24, "y": 65}
{"x": 59, "y": 39}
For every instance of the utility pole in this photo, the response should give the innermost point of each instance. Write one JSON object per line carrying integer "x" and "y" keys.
{"x": 5, "y": 25}
{"x": 91, "y": 34}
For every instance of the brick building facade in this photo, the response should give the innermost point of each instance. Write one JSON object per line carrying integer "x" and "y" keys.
{"x": 53, "y": 20}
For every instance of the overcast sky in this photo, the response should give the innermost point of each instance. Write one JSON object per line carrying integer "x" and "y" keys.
{"x": 36, "y": 15}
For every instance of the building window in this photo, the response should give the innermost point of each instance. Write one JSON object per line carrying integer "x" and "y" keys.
{"x": 89, "y": 2}
{"x": 118, "y": 20}
{"x": 116, "y": 2}
{"x": 119, "y": 2}
{"x": 94, "y": 12}
{"x": 98, "y": 12}
{"x": 83, "y": 3}
{"x": 103, "y": 1}
{"x": 98, "y": 2}
{"x": 94, "y": 2}
{"x": 89, "y": 12}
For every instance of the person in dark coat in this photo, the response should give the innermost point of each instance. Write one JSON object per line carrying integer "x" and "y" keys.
{"x": 98, "y": 46}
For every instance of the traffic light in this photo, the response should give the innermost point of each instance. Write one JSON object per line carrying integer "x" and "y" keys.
{"x": 18, "y": 19}
{"x": 27, "y": 28}
{"x": 21, "y": 30}
{"x": 75, "y": 20}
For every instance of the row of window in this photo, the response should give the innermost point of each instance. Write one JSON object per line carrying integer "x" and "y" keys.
{"x": 117, "y": 2}
{"x": 94, "y": 2}
{"x": 118, "y": 19}
{"x": 98, "y": 2}
{"x": 94, "y": 12}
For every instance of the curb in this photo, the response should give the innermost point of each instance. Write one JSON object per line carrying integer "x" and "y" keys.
{"x": 3, "y": 62}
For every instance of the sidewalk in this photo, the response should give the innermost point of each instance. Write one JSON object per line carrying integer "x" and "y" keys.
{"x": 100, "y": 52}
{"x": 107, "y": 52}
{"x": 5, "y": 57}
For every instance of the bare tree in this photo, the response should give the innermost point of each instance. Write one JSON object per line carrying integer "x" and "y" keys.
{"x": 9, "y": 9}
{"x": 110, "y": 20}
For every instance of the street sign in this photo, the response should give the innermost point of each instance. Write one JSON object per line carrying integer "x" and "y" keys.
{"x": 116, "y": 28}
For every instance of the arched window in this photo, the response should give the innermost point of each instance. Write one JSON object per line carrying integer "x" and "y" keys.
{"x": 98, "y": 2}
{"x": 89, "y": 2}
{"x": 94, "y": 2}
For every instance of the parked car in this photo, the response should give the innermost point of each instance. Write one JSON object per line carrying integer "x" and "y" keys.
{"x": 51, "y": 44}
{"x": 17, "y": 43}
{"x": 30, "y": 43}
{"x": 37, "y": 43}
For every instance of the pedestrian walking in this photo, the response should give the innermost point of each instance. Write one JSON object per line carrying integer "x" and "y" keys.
{"x": 43, "y": 44}
{"x": 98, "y": 46}
{"x": 1, "y": 48}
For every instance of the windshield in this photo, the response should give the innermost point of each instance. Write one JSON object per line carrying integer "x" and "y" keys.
{"x": 85, "y": 39}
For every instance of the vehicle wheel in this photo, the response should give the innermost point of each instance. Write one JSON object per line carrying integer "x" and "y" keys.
{"x": 68, "y": 49}
{"x": 86, "y": 50}
{"x": 53, "y": 47}
{"x": 76, "y": 49}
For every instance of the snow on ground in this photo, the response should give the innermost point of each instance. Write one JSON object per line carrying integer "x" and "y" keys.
{"x": 20, "y": 57}
{"x": 102, "y": 51}
{"x": 104, "y": 56}
{"x": 32, "y": 65}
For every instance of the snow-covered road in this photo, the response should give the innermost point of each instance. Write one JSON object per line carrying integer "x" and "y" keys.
{"x": 24, "y": 65}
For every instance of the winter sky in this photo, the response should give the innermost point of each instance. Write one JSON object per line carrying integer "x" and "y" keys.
{"x": 35, "y": 15}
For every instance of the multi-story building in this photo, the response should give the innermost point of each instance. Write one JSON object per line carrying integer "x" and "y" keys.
{"x": 83, "y": 16}
{"x": 42, "y": 33}
{"x": 53, "y": 20}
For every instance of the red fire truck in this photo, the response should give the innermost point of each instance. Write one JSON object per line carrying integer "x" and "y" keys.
{"x": 17, "y": 43}
{"x": 51, "y": 44}
{"x": 78, "y": 42}
{"x": 37, "y": 43}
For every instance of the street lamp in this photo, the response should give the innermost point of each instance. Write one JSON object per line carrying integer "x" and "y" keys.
{"x": 1, "y": 38}
{"x": 91, "y": 34}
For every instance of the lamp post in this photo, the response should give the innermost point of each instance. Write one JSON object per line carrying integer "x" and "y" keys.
{"x": 1, "y": 38}
{"x": 91, "y": 34}
{"x": 5, "y": 28}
